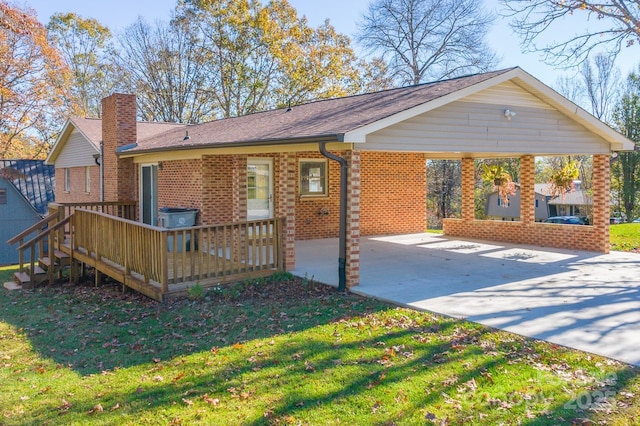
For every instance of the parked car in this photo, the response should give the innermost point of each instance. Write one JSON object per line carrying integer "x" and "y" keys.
{"x": 568, "y": 220}
{"x": 615, "y": 220}
{"x": 637, "y": 220}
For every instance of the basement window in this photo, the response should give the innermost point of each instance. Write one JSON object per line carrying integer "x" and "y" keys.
{"x": 3, "y": 196}
{"x": 313, "y": 178}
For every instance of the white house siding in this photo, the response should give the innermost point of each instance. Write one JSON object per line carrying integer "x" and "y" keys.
{"x": 477, "y": 124}
{"x": 77, "y": 152}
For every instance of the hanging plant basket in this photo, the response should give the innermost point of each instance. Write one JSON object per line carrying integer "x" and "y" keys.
{"x": 501, "y": 181}
{"x": 562, "y": 180}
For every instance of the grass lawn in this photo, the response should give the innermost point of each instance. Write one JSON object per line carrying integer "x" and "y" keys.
{"x": 285, "y": 353}
{"x": 625, "y": 237}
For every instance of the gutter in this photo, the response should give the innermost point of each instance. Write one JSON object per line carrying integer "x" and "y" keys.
{"x": 343, "y": 215}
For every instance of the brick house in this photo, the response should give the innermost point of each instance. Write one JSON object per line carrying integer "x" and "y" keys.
{"x": 270, "y": 164}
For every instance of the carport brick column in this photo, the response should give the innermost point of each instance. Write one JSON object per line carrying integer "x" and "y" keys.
{"x": 601, "y": 187}
{"x": 527, "y": 189}
{"x": 353, "y": 220}
{"x": 286, "y": 208}
{"x": 468, "y": 189}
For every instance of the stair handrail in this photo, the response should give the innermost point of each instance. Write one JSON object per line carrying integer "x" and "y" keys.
{"x": 32, "y": 243}
{"x": 32, "y": 228}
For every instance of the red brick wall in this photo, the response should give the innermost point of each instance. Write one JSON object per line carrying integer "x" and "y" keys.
{"x": 180, "y": 184}
{"x": 217, "y": 189}
{"x": 77, "y": 191}
{"x": 393, "y": 193}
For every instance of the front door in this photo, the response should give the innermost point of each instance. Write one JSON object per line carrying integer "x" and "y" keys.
{"x": 259, "y": 189}
{"x": 149, "y": 194}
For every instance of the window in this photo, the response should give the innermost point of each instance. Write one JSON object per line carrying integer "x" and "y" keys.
{"x": 3, "y": 196}
{"x": 313, "y": 178}
{"x": 67, "y": 180}
{"x": 87, "y": 179}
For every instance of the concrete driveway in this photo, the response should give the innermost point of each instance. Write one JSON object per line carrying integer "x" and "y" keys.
{"x": 588, "y": 301}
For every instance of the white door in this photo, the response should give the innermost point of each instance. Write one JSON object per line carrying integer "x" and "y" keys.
{"x": 149, "y": 194}
{"x": 259, "y": 189}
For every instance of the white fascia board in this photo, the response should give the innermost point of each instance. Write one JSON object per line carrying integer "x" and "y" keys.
{"x": 57, "y": 145}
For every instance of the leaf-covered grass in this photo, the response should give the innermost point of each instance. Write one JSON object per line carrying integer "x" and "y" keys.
{"x": 286, "y": 352}
{"x": 625, "y": 237}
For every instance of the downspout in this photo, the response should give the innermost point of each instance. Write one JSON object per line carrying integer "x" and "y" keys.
{"x": 101, "y": 172}
{"x": 342, "y": 275}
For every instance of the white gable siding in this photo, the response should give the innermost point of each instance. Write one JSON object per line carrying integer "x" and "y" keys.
{"x": 477, "y": 124}
{"x": 77, "y": 152}
{"x": 507, "y": 93}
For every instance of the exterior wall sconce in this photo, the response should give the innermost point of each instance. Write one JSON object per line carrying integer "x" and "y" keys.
{"x": 509, "y": 114}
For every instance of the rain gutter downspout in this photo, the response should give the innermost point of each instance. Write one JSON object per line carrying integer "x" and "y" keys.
{"x": 343, "y": 215}
{"x": 101, "y": 172}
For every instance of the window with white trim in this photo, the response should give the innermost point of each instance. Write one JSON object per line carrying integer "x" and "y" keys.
{"x": 67, "y": 180}
{"x": 313, "y": 178}
{"x": 87, "y": 179}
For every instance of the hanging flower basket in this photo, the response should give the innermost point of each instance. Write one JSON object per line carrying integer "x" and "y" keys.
{"x": 501, "y": 181}
{"x": 562, "y": 181}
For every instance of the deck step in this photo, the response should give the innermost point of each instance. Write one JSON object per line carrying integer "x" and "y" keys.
{"x": 45, "y": 262}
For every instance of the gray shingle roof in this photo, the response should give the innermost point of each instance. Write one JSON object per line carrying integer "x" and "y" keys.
{"x": 33, "y": 179}
{"x": 325, "y": 119}
{"x": 92, "y": 129}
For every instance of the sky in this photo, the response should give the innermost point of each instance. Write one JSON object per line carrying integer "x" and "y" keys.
{"x": 343, "y": 15}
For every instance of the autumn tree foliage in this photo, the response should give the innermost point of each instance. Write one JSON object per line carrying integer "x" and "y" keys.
{"x": 607, "y": 25}
{"x": 84, "y": 44}
{"x": 265, "y": 56}
{"x": 34, "y": 82}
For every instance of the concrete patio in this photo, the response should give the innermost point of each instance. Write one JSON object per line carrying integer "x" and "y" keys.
{"x": 584, "y": 300}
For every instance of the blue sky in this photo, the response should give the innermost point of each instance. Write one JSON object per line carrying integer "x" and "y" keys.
{"x": 343, "y": 14}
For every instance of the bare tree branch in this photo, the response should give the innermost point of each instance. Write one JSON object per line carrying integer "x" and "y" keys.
{"x": 608, "y": 26}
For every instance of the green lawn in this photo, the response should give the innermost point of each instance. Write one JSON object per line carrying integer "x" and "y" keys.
{"x": 625, "y": 237}
{"x": 286, "y": 352}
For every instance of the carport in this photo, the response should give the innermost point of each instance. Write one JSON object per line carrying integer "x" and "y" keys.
{"x": 584, "y": 300}
{"x": 509, "y": 114}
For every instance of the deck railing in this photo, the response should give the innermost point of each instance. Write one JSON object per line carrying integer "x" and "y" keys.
{"x": 148, "y": 255}
{"x": 122, "y": 209}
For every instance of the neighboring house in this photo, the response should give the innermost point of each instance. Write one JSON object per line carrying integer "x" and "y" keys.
{"x": 282, "y": 163}
{"x": 26, "y": 188}
{"x": 574, "y": 203}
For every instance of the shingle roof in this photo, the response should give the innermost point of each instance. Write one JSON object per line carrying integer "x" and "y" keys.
{"x": 92, "y": 128}
{"x": 33, "y": 179}
{"x": 328, "y": 119}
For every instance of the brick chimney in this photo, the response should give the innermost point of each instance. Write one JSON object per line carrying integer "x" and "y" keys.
{"x": 118, "y": 130}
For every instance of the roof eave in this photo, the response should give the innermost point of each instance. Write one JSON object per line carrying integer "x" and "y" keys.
{"x": 242, "y": 144}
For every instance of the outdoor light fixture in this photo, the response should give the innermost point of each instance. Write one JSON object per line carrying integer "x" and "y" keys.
{"x": 96, "y": 158}
{"x": 509, "y": 114}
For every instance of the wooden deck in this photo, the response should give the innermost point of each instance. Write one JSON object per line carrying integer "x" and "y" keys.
{"x": 160, "y": 262}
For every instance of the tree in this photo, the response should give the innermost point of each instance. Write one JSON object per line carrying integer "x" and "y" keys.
{"x": 626, "y": 168}
{"x": 613, "y": 24}
{"x": 83, "y": 44}
{"x": 444, "y": 190}
{"x": 428, "y": 39}
{"x": 164, "y": 65}
{"x": 263, "y": 57}
{"x": 33, "y": 85}
{"x": 601, "y": 85}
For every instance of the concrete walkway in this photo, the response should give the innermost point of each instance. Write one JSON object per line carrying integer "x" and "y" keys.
{"x": 588, "y": 301}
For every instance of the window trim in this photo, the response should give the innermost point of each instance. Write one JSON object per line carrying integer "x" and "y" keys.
{"x": 87, "y": 179}
{"x": 67, "y": 179}
{"x": 325, "y": 178}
